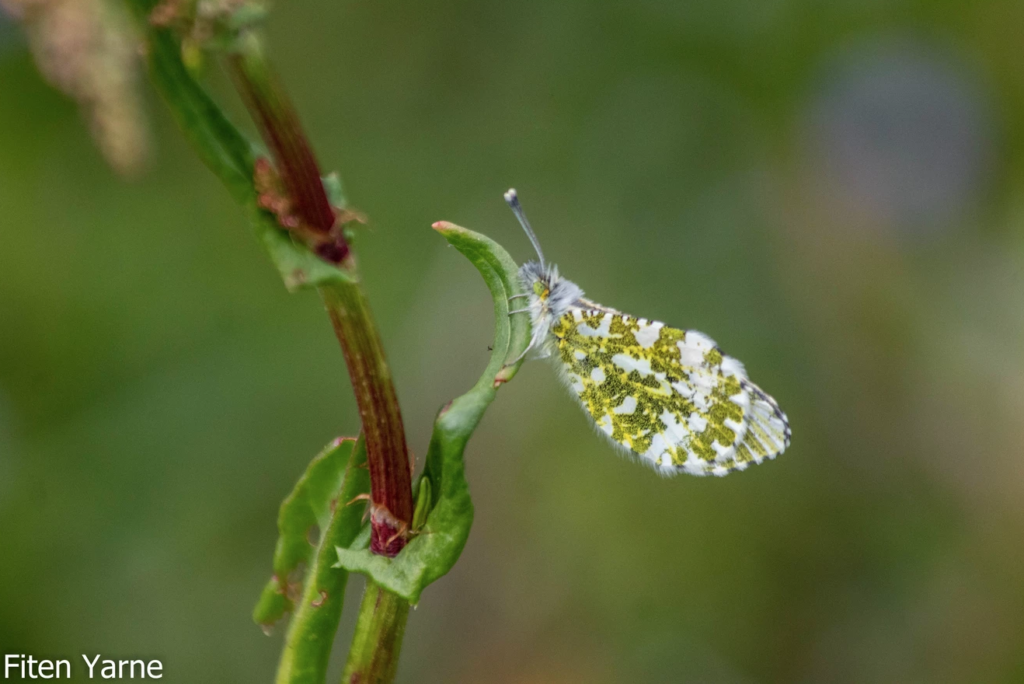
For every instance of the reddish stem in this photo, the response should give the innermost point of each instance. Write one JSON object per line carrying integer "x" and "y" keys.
{"x": 387, "y": 453}
{"x": 282, "y": 131}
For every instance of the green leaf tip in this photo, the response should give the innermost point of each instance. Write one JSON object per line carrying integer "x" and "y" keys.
{"x": 424, "y": 502}
{"x": 501, "y": 275}
{"x": 443, "y": 490}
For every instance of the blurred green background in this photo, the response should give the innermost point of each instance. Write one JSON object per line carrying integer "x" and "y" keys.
{"x": 832, "y": 191}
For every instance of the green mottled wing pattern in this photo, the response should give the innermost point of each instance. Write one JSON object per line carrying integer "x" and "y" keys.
{"x": 669, "y": 396}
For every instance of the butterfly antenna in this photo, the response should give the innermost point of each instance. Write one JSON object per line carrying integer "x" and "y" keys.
{"x": 513, "y": 202}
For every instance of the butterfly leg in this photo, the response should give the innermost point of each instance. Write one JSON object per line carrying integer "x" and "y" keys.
{"x": 519, "y": 311}
{"x": 518, "y": 296}
{"x": 533, "y": 343}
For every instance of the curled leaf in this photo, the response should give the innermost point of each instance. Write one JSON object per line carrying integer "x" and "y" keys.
{"x": 443, "y": 489}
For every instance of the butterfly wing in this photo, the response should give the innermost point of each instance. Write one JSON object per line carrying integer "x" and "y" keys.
{"x": 670, "y": 396}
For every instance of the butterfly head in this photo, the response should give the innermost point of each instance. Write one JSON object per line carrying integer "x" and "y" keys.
{"x": 550, "y": 295}
{"x": 546, "y": 289}
{"x": 538, "y": 280}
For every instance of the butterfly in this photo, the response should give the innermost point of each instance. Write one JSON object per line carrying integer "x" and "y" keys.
{"x": 670, "y": 397}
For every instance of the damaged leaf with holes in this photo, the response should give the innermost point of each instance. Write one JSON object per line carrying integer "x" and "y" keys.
{"x": 312, "y": 514}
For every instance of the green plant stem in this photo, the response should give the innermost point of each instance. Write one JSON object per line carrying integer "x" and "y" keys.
{"x": 373, "y": 657}
{"x": 224, "y": 150}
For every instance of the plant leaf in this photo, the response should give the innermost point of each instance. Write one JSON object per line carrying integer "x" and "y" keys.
{"x": 308, "y": 506}
{"x": 436, "y": 547}
{"x": 326, "y": 496}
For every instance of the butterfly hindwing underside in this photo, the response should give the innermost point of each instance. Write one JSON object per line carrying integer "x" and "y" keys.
{"x": 669, "y": 396}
